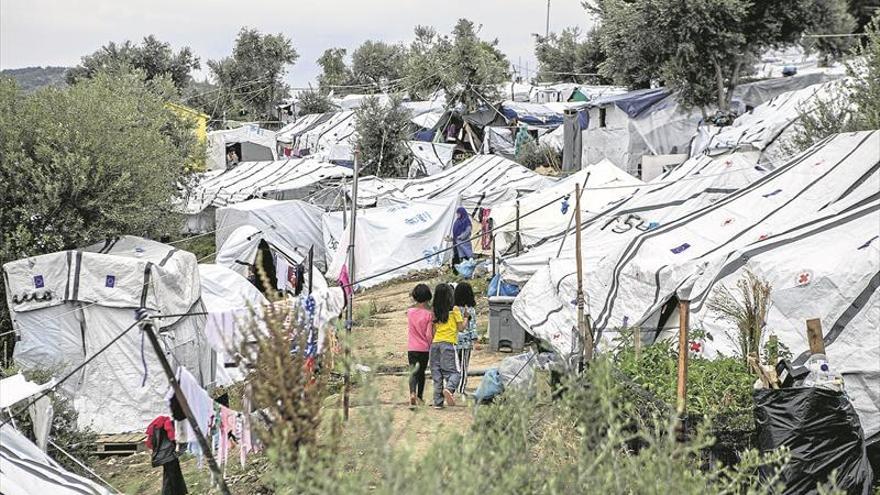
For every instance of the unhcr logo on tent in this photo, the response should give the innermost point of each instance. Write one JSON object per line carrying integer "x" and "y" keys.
{"x": 110, "y": 281}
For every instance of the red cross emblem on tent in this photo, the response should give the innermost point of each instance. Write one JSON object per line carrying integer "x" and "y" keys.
{"x": 820, "y": 162}
{"x": 728, "y": 163}
{"x": 804, "y": 278}
{"x": 763, "y": 236}
{"x": 727, "y": 222}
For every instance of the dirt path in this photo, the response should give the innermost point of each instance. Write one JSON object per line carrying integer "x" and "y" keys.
{"x": 380, "y": 343}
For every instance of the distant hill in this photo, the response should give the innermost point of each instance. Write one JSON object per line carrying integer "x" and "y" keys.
{"x": 32, "y": 78}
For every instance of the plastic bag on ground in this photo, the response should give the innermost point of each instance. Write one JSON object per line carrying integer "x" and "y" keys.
{"x": 466, "y": 268}
{"x": 498, "y": 287}
{"x": 518, "y": 372}
{"x": 490, "y": 387}
{"x": 823, "y": 432}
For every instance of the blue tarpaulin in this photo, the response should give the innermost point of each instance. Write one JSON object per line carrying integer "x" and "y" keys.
{"x": 636, "y": 102}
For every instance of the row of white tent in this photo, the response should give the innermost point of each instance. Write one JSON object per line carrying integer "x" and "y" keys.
{"x": 809, "y": 225}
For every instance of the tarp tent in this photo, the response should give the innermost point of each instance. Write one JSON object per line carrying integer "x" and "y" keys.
{"x": 607, "y": 183}
{"x": 388, "y": 237}
{"x": 283, "y": 179}
{"x": 429, "y": 158}
{"x": 67, "y": 305}
{"x": 294, "y": 225}
{"x": 331, "y": 140}
{"x": 482, "y": 180}
{"x": 230, "y": 301}
{"x": 27, "y": 470}
{"x": 291, "y": 131}
{"x": 254, "y": 144}
{"x": 691, "y": 186}
{"x": 765, "y": 127}
{"x": 632, "y": 272}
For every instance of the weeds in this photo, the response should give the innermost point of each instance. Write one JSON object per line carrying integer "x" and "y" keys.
{"x": 747, "y": 310}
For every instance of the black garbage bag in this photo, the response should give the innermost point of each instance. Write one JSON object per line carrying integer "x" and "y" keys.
{"x": 823, "y": 432}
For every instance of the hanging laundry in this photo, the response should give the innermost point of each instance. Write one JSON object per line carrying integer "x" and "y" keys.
{"x": 160, "y": 439}
{"x": 485, "y": 229}
{"x": 199, "y": 401}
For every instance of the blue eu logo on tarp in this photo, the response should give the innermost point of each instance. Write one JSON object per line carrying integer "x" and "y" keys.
{"x": 111, "y": 281}
{"x": 38, "y": 281}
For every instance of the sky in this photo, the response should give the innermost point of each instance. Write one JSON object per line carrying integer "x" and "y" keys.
{"x": 59, "y": 32}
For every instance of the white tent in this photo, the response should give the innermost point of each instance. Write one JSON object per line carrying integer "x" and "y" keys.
{"x": 483, "y": 180}
{"x": 284, "y": 179}
{"x": 289, "y": 133}
{"x": 65, "y": 306}
{"x": 388, "y": 237}
{"x": 632, "y": 272}
{"x": 294, "y": 226}
{"x": 229, "y": 300}
{"x": 332, "y": 139}
{"x": 765, "y": 127}
{"x": 606, "y": 183}
{"x": 27, "y": 470}
{"x": 429, "y": 158}
{"x": 693, "y": 185}
{"x": 253, "y": 142}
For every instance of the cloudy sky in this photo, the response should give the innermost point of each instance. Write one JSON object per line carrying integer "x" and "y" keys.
{"x": 59, "y": 32}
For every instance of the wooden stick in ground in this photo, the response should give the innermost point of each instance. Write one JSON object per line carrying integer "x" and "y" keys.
{"x": 814, "y": 336}
{"x": 184, "y": 405}
{"x": 346, "y": 393}
{"x": 583, "y": 327}
{"x": 684, "y": 309}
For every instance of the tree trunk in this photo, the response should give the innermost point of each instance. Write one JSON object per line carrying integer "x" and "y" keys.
{"x": 719, "y": 81}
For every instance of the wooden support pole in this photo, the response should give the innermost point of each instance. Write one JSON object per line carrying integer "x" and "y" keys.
{"x": 184, "y": 405}
{"x": 349, "y": 320}
{"x": 583, "y": 325}
{"x": 311, "y": 266}
{"x": 684, "y": 309}
{"x": 637, "y": 342}
{"x": 493, "y": 253}
{"x": 814, "y": 336}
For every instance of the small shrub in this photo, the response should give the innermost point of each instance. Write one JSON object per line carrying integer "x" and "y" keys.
{"x": 747, "y": 309}
{"x": 533, "y": 155}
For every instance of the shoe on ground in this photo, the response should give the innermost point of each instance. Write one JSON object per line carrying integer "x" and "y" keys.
{"x": 437, "y": 406}
{"x": 413, "y": 400}
{"x": 447, "y": 394}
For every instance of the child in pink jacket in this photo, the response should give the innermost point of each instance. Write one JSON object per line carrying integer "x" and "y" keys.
{"x": 420, "y": 333}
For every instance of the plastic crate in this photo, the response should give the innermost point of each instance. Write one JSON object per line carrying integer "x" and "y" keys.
{"x": 505, "y": 333}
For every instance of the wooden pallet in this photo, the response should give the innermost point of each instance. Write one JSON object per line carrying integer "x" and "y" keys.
{"x": 120, "y": 444}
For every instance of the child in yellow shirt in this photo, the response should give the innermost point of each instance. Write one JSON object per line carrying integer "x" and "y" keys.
{"x": 448, "y": 321}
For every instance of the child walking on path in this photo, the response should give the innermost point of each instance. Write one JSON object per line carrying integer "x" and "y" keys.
{"x": 444, "y": 368}
{"x": 466, "y": 303}
{"x": 420, "y": 332}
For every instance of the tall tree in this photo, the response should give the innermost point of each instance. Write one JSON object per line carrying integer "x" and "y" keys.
{"x": 155, "y": 58}
{"x": 569, "y": 56}
{"x": 334, "y": 72}
{"x": 82, "y": 163}
{"x": 701, "y": 48}
{"x": 251, "y": 80}
{"x": 831, "y": 18}
{"x": 467, "y": 67}
{"x": 377, "y": 63}
{"x": 381, "y": 137}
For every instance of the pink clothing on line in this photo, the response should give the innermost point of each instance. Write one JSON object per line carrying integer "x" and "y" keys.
{"x": 420, "y": 329}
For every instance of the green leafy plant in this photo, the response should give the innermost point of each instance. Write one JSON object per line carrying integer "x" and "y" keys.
{"x": 747, "y": 309}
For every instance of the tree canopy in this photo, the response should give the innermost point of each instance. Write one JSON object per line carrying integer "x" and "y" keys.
{"x": 700, "y": 48}
{"x": 251, "y": 79}
{"x": 381, "y": 137}
{"x": 153, "y": 57}
{"x": 569, "y": 56}
{"x": 335, "y": 72}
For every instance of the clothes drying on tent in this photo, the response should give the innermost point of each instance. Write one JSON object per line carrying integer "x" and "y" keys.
{"x": 65, "y": 306}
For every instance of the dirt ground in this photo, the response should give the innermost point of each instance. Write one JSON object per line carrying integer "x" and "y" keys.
{"x": 379, "y": 342}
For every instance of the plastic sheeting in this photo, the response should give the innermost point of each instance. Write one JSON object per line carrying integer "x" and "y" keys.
{"x": 606, "y": 183}
{"x": 388, "y": 237}
{"x": 293, "y": 226}
{"x": 822, "y": 433}
{"x": 92, "y": 297}
{"x": 763, "y": 127}
{"x": 17, "y": 388}
{"x": 429, "y": 158}
{"x": 291, "y": 131}
{"x": 250, "y": 133}
{"x": 282, "y": 179}
{"x": 329, "y": 137}
{"x": 26, "y": 470}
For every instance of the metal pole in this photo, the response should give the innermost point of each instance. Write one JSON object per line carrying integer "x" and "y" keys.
{"x": 351, "y": 278}
{"x": 547, "y": 30}
{"x": 518, "y": 241}
{"x": 184, "y": 405}
{"x": 311, "y": 266}
{"x": 568, "y": 227}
